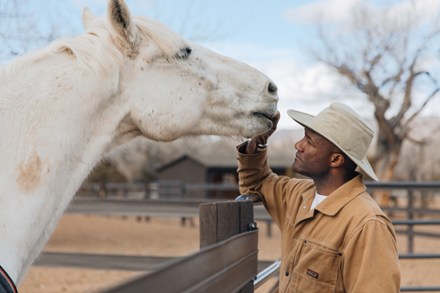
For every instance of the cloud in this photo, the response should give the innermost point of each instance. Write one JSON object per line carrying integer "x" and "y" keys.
{"x": 341, "y": 11}
{"x": 305, "y": 87}
{"x": 428, "y": 9}
{"x": 323, "y": 11}
{"x": 302, "y": 85}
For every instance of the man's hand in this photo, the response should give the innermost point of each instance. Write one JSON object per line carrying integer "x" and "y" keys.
{"x": 261, "y": 139}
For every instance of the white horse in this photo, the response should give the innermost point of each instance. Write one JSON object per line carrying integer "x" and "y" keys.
{"x": 64, "y": 107}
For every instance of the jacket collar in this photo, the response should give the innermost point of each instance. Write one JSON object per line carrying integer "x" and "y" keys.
{"x": 341, "y": 196}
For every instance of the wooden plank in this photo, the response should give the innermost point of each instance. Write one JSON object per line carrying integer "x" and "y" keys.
{"x": 126, "y": 262}
{"x": 202, "y": 271}
{"x": 220, "y": 221}
{"x": 246, "y": 211}
{"x": 246, "y": 215}
{"x": 228, "y": 222}
{"x": 208, "y": 224}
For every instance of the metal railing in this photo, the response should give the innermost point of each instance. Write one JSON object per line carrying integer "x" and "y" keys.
{"x": 273, "y": 269}
{"x": 269, "y": 272}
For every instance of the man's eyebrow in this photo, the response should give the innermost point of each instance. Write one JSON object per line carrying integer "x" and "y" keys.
{"x": 307, "y": 135}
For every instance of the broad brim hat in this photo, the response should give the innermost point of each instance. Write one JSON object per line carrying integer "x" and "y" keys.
{"x": 342, "y": 126}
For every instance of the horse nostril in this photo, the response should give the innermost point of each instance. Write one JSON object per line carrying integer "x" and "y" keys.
{"x": 272, "y": 88}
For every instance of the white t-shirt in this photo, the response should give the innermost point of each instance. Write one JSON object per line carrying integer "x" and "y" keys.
{"x": 317, "y": 200}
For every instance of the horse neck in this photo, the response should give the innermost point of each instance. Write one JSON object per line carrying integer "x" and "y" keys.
{"x": 51, "y": 139}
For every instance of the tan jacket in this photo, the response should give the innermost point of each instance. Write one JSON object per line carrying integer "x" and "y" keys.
{"x": 347, "y": 244}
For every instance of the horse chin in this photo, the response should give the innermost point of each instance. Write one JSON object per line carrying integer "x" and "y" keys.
{"x": 264, "y": 119}
{"x": 265, "y": 115}
{"x": 257, "y": 126}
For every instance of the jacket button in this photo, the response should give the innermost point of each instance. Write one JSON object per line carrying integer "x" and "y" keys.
{"x": 286, "y": 274}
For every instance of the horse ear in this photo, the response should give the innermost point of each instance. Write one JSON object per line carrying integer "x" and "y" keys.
{"x": 122, "y": 21}
{"x": 87, "y": 17}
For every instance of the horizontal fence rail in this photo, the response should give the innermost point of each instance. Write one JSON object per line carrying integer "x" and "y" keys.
{"x": 273, "y": 270}
{"x": 136, "y": 207}
{"x": 147, "y": 207}
{"x": 203, "y": 272}
{"x": 407, "y": 185}
{"x": 420, "y": 289}
{"x": 226, "y": 262}
{"x": 113, "y": 261}
{"x": 146, "y": 187}
{"x": 103, "y": 261}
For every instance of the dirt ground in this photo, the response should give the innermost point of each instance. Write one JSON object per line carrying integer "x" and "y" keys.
{"x": 166, "y": 237}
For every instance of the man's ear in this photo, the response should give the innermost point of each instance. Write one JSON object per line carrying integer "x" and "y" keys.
{"x": 336, "y": 160}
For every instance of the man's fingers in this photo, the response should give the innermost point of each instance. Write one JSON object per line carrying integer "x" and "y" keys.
{"x": 262, "y": 138}
{"x": 251, "y": 147}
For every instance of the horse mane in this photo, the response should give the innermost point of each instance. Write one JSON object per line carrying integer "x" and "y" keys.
{"x": 92, "y": 53}
{"x": 167, "y": 40}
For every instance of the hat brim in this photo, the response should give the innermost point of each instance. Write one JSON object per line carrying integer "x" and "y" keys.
{"x": 305, "y": 120}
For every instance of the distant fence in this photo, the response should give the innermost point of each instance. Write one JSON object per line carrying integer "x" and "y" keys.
{"x": 163, "y": 206}
{"x": 163, "y": 189}
{"x": 410, "y": 211}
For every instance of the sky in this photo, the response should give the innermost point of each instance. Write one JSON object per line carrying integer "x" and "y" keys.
{"x": 275, "y": 36}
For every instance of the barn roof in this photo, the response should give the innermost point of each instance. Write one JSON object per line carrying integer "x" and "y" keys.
{"x": 225, "y": 161}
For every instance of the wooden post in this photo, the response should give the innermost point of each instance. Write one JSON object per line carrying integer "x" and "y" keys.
{"x": 219, "y": 221}
{"x": 410, "y": 227}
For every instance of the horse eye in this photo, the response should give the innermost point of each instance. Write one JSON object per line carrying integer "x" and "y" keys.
{"x": 183, "y": 53}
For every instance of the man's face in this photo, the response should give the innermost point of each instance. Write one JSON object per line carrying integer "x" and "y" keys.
{"x": 313, "y": 155}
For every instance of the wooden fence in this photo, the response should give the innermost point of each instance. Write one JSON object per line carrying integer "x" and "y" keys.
{"x": 227, "y": 261}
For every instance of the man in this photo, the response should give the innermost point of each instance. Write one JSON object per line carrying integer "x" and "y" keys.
{"x": 335, "y": 237}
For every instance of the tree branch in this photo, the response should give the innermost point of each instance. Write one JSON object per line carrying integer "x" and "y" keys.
{"x": 420, "y": 109}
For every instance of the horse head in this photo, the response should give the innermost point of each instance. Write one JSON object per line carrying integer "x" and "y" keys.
{"x": 176, "y": 88}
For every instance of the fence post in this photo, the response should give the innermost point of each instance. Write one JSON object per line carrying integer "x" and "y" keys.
{"x": 220, "y": 221}
{"x": 410, "y": 215}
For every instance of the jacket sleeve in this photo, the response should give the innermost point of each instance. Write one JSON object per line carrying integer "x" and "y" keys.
{"x": 371, "y": 262}
{"x": 255, "y": 177}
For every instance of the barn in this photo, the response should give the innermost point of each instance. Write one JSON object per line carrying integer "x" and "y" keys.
{"x": 207, "y": 176}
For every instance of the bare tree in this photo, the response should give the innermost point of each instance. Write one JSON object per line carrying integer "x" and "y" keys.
{"x": 22, "y": 28}
{"x": 393, "y": 61}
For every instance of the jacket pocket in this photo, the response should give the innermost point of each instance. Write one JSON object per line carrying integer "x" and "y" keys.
{"x": 315, "y": 269}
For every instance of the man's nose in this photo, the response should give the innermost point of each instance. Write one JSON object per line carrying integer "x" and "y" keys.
{"x": 298, "y": 145}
